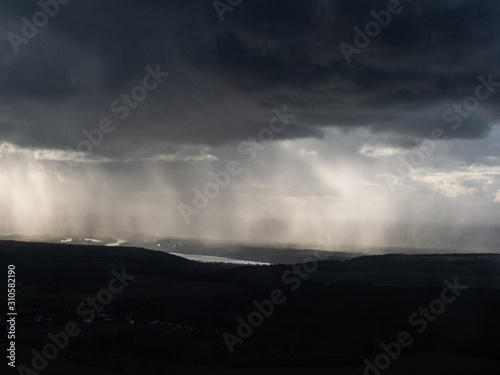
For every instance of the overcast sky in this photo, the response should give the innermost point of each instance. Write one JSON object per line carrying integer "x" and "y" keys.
{"x": 114, "y": 114}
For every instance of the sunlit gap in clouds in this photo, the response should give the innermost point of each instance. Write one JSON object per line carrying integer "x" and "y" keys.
{"x": 272, "y": 200}
{"x": 294, "y": 192}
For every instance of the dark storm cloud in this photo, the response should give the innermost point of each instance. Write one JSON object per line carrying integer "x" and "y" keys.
{"x": 226, "y": 77}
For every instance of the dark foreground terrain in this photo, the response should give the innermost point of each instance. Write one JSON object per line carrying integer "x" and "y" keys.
{"x": 161, "y": 314}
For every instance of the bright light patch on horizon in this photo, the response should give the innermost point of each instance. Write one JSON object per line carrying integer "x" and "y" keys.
{"x": 306, "y": 195}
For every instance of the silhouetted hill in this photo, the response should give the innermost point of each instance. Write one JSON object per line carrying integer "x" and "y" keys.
{"x": 173, "y": 316}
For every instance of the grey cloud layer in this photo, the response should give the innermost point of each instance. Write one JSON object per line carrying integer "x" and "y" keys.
{"x": 227, "y": 77}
